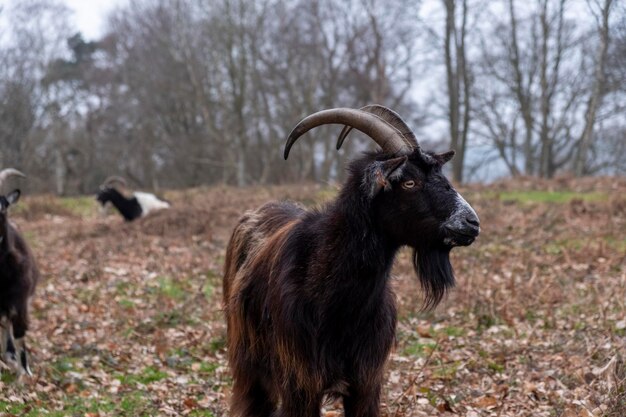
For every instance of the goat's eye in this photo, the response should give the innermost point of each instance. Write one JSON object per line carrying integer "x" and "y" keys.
{"x": 408, "y": 184}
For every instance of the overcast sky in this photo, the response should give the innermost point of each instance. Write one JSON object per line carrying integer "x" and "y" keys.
{"x": 90, "y": 15}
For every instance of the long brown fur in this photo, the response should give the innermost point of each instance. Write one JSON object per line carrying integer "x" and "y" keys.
{"x": 309, "y": 306}
{"x": 253, "y": 252}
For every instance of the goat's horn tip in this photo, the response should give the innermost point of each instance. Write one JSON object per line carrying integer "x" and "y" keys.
{"x": 293, "y": 136}
{"x": 342, "y": 136}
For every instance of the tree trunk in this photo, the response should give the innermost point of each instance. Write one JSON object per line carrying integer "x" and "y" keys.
{"x": 596, "y": 94}
{"x": 452, "y": 77}
{"x": 59, "y": 172}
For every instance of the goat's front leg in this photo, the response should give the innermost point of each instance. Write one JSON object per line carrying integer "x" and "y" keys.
{"x": 9, "y": 354}
{"x": 20, "y": 325}
{"x": 4, "y": 332}
{"x": 22, "y": 354}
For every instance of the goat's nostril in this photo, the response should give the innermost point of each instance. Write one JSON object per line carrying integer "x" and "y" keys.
{"x": 473, "y": 220}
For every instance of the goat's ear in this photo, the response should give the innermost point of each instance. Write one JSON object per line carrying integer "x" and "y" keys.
{"x": 380, "y": 173}
{"x": 442, "y": 158}
{"x": 13, "y": 196}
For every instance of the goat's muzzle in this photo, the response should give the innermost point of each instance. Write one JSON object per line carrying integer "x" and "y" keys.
{"x": 463, "y": 226}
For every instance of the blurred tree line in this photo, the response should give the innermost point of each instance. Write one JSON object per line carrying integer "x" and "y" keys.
{"x": 180, "y": 93}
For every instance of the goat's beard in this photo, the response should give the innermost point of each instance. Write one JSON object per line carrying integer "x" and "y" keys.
{"x": 434, "y": 270}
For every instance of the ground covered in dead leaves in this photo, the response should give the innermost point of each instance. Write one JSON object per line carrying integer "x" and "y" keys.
{"x": 127, "y": 320}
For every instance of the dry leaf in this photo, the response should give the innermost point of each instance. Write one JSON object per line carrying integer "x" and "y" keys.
{"x": 486, "y": 402}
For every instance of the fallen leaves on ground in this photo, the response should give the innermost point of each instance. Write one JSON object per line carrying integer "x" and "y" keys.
{"x": 127, "y": 319}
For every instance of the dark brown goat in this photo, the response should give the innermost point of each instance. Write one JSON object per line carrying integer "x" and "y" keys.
{"x": 309, "y": 306}
{"x": 18, "y": 278}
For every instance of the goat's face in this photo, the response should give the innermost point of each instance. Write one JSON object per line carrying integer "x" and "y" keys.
{"x": 104, "y": 195}
{"x": 5, "y": 202}
{"x": 417, "y": 203}
{"x": 410, "y": 200}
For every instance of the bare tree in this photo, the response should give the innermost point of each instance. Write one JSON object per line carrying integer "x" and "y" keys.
{"x": 534, "y": 85}
{"x": 459, "y": 81}
{"x": 37, "y": 33}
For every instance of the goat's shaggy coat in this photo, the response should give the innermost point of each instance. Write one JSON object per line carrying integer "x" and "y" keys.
{"x": 308, "y": 302}
{"x": 18, "y": 277}
{"x": 309, "y": 306}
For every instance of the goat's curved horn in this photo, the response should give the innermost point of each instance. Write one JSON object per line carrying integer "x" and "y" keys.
{"x": 112, "y": 179}
{"x": 384, "y": 134}
{"x": 8, "y": 172}
{"x": 388, "y": 116}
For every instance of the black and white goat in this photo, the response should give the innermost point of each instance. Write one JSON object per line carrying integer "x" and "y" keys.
{"x": 18, "y": 278}
{"x": 307, "y": 294}
{"x": 139, "y": 205}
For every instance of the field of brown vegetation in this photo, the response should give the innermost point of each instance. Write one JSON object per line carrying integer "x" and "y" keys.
{"x": 128, "y": 321}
